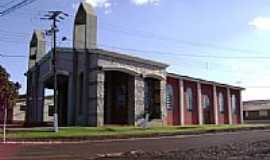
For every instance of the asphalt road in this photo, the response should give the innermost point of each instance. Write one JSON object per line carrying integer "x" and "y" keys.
{"x": 94, "y": 149}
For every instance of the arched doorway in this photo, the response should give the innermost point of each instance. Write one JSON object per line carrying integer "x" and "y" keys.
{"x": 118, "y": 98}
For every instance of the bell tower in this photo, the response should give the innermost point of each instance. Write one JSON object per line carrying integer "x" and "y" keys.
{"x": 37, "y": 47}
{"x": 85, "y": 27}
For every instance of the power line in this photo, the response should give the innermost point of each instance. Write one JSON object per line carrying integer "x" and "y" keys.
{"x": 12, "y": 56}
{"x": 151, "y": 35}
{"x": 165, "y": 52}
{"x": 184, "y": 55}
{"x": 187, "y": 55}
{"x": 180, "y": 53}
{"x": 8, "y": 3}
{"x": 16, "y": 6}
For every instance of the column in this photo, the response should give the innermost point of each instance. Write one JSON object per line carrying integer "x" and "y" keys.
{"x": 199, "y": 102}
{"x": 40, "y": 102}
{"x": 181, "y": 102}
{"x": 229, "y": 102}
{"x": 131, "y": 95}
{"x": 163, "y": 83}
{"x": 29, "y": 100}
{"x": 100, "y": 98}
{"x": 241, "y": 108}
{"x": 215, "y": 104}
{"x": 71, "y": 107}
{"x": 139, "y": 98}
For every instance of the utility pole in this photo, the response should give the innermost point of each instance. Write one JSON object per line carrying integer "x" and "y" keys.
{"x": 5, "y": 124}
{"x": 54, "y": 16}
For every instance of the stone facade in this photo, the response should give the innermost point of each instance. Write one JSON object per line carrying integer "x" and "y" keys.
{"x": 93, "y": 70}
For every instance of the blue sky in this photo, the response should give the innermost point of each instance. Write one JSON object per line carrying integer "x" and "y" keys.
{"x": 224, "y": 34}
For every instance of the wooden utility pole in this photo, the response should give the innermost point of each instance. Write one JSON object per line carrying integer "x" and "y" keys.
{"x": 55, "y": 16}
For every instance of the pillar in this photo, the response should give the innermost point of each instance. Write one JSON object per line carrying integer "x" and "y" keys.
{"x": 139, "y": 98}
{"x": 95, "y": 107}
{"x": 40, "y": 102}
{"x": 229, "y": 102}
{"x": 241, "y": 108}
{"x": 215, "y": 104}
{"x": 29, "y": 99}
{"x": 163, "y": 83}
{"x": 100, "y": 98}
{"x": 71, "y": 107}
{"x": 199, "y": 103}
{"x": 131, "y": 95}
{"x": 181, "y": 102}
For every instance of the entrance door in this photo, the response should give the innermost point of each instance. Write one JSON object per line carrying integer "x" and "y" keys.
{"x": 116, "y": 97}
{"x": 119, "y": 104}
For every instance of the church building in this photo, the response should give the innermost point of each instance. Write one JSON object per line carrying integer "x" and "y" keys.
{"x": 97, "y": 87}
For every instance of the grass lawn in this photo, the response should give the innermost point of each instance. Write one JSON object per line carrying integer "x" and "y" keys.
{"x": 114, "y": 131}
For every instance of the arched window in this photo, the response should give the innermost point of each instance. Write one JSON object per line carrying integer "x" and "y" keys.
{"x": 234, "y": 103}
{"x": 189, "y": 99}
{"x": 221, "y": 102}
{"x": 206, "y": 102}
{"x": 169, "y": 98}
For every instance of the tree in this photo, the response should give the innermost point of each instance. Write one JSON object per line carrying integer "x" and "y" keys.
{"x": 8, "y": 89}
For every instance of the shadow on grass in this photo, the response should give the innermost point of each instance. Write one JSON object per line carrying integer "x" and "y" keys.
{"x": 188, "y": 127}
{"x": 32, "y": 131}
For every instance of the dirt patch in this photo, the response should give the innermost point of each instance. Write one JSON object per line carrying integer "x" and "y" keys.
{"x": 240, "y": 151}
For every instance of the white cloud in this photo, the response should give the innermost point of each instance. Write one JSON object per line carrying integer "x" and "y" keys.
{"x": 106, "y": 4}
{"x": 143, "y": 2}
{"x": 260, "y": 23}
{"x": 99, "y": 3}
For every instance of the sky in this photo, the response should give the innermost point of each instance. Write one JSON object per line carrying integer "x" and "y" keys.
{"x": 225, "y": 41}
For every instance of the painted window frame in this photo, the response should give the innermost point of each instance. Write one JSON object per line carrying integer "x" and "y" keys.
{"x": 221, "y": 102}
{"x": 234, "y": 103}
{"x": 169, "y": 97}
{"x": 189, "y": 95}
{"x": 206, "y": 102}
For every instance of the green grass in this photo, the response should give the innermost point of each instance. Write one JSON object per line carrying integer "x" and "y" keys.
{"x": 114, "y": 131}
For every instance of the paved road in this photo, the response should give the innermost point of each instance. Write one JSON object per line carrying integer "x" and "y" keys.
{"x": 91, "y": 150}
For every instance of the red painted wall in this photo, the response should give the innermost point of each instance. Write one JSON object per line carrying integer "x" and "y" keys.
{"x": 173, "y": 115}
{"x": 222, "y": 117}
{"x": 191, "y": 117}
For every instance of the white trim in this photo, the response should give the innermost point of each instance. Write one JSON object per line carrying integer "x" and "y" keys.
{"x": 181, "y": 102}
{"x": 215, "y": 104}
{"x": 229, "y": 105}
{"x": 199, "y": 102}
